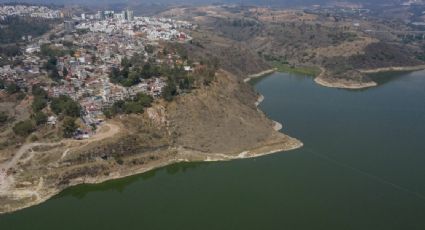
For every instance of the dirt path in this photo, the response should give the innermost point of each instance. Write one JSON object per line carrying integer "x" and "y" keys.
{"x": 106, "y": 131}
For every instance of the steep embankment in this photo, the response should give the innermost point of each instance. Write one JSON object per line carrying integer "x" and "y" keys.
{"x": 215, "y": 123}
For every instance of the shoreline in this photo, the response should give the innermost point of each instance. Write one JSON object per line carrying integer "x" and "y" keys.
{"x": 344, "y": 84}
{"x": 183, "y": 155}
{"x": 279, "y": 143}
{"x": 260, "y": 74}
{"x": 341, "y": 84}
{"x": 393, "y": 69}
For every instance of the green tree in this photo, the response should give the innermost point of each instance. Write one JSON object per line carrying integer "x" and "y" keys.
{"x": 40, "y": 118}
{"x": 125, "y": 63}
{"x": 133, "y": 107}
{"x": 3, "y": 117}
{"x": 186, "y": 83}
{"x": 169, "y": 91}
{"x": 69, "y": 127}
{"x": 12, "y": 88}
{"x": 24, "y": 128}
{"x": 37, "y": 91}
{"x": 144, "y": 99}
{"x": 38, "y": 104}
{"x": 54, "y": 75}
{"x": 149, "y": 49}
{"x": 65, "y": 71}
{"x": 107, "y": 112}
{"x": 20, "y": 96}
{"x": 66, "y": 106}
{"x": 136, "y": 105}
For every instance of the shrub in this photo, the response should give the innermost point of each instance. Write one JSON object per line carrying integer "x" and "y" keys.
{"x": 12, "y": 88}
{"x": 135, "y": 105}
{"x": 170, "y": 90}
{"x": 69, "y": 127}
{"x": 3, "y": 117}
{"x": 40, "y": 118}
{"x": 38, "y": 104}
{"x": 66, "y": 106}
{"x": 24, "y": 128}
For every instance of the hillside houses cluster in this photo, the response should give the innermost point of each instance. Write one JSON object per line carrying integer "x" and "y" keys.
{"x": 86, "y": 59}
{"x": 29, "y": 11}
{"x": 151, "y": 28}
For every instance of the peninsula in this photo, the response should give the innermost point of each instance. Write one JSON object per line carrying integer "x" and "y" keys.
{"x": 88, "y": 96}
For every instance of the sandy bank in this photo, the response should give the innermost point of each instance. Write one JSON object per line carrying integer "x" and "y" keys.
{"x": 343, "y": 84}
{"x": 347, "y": 84}
{"x": 393, "y": 69}
{"x": 261, "y": 74}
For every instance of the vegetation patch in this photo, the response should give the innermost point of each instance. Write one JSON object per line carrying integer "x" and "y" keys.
{"x": 302, "y": 70}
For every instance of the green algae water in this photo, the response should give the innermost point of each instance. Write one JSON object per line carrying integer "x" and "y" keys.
{"x": 362, "y": 167}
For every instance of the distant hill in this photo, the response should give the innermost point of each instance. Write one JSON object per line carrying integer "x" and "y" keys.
{"x": 200, "y": 2}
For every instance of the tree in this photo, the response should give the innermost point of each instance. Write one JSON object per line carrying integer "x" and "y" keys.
{"x": 93, "y": 59}
{"x": 65, "y": 71}
{"x": 12, "y": 88}
{"x": 37, "y": 91}
{"x": 144, "y": 99}
{"x": 137, "y": 59}
{"x": 40, "y": 118}
{"x": 136, "y": 105}
{"x": 69, "y": 127}
{"x": 40, "y": 98}
{"x": 20, "y": 96}
{"x": 149, "y": 49}
{"x": 186, "y": 83}
{"x": 51, "y": 52}
{"x": 107, "y": 112}
{"x": 24, "y": 128}
{"x": 133, "y": 107}
{"x": 125, "y": 63}
{"x": 38, "y": 104}
{"x": 71, "y": 108}
{"x": 170, "y": 90}
{"x": 66, "y": 106}
{"x": 150, "y": 70}
{"x": 3, "y": 117}
{"x": 54, "y": 75}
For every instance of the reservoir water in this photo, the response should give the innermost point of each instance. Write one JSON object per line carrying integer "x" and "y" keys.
{"x": 362, "y": 167}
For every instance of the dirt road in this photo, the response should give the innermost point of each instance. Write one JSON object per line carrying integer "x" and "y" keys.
{"x": 105, "y": 131}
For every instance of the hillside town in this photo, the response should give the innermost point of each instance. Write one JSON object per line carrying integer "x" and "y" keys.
{"x": 78, "y": 62}
{"x": 31, "y": 11}
{"x": 125, "y": 23}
